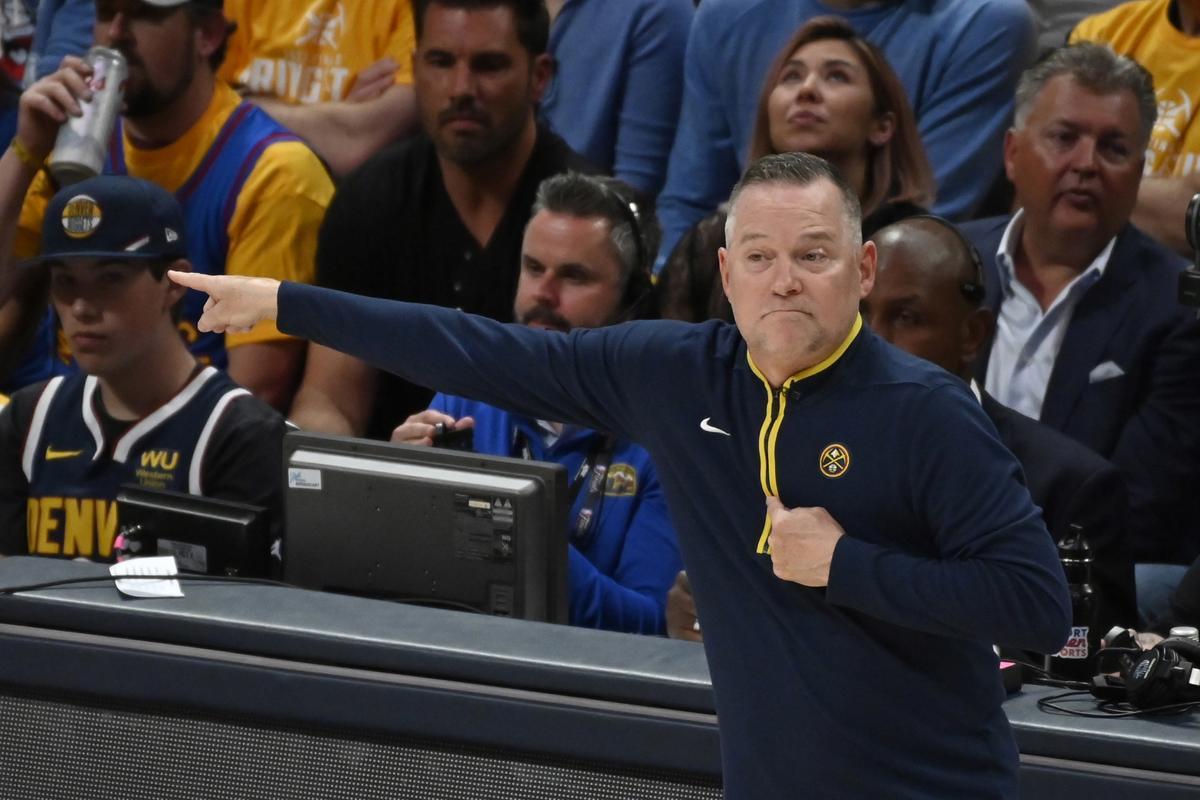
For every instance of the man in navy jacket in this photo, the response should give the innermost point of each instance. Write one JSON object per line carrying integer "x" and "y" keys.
{"x": 856, "y": 534}
{"x": 1090, "y": 338}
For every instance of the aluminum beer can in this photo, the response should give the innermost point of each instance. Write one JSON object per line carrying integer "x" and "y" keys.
{"x": 82, "y": 144}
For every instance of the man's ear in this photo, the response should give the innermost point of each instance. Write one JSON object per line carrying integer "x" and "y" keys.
{"x": 211, "y": 31}
{"x": 976, "y": 333}
{"x": 867, "y": 263}
{"x": 1010, "y": 151}
{"x": 724, "y": 266}
{"x": 542, "y": 73}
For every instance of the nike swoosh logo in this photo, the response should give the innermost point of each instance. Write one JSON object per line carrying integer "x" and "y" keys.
{"x": 55, "y": 455}
{"x": 704, "y": 426}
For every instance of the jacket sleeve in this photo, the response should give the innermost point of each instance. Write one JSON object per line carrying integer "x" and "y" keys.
{"x": 1159, "y": 445}
{"x": 633, "y": 599}
{"x": 995, "y": 574}
{"x": 649, "y": 109}
{"x": 963, "y": 119}
{"x": 704, "y": 162}
{"x": 606, "y": 379}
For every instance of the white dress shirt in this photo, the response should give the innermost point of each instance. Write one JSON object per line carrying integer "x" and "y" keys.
{"x": 1027, "y": 339}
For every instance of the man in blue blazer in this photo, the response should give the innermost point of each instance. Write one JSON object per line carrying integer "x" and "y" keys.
{"x": 1089, "y": 336}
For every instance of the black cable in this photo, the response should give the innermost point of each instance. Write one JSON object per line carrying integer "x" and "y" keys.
{"x": 182, "y": 577}
{"x": 1047, "y": 677}
{"x": 1109, "y": 710}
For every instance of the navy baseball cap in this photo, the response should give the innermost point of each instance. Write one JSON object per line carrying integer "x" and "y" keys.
{"x": 113, "y": 217}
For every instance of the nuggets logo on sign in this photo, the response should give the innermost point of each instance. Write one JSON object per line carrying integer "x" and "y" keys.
{"x": 835, "y": 461}
{"x": 81, "y": 217}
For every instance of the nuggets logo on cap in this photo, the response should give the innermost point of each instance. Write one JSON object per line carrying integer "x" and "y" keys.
{"x": 81, "y": 217}
{"x": 835, "y": 461}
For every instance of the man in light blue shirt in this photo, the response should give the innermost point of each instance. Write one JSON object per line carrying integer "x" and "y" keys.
{"x": 1090, "y": 338}
{"x": 959, "y": 61}
{"x": 1027, "y": 336}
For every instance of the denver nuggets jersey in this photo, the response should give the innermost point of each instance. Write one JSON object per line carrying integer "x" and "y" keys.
{"x": 74, "y": 475}
{"x": 208, "y": 198}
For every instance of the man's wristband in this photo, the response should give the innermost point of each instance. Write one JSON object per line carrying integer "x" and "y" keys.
{"x": 24, "y": 155}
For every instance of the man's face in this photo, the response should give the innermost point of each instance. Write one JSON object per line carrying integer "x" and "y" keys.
{"x": 160, "y": 46}
{"x": 792, "y": 273}
{"x": 112, "y": 312}
{"x": 1077, "y": 162}
{"x": 570, "y": 274}
{"x": 476, "y": 84}
{"x": 921, "y": 311}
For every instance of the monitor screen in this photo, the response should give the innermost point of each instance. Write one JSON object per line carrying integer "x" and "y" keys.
{"x": 206, "y": 535}
{"x": 419, "y": 524}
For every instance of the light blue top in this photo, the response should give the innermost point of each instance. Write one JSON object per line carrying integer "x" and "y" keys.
{"x": 958, "y": 59}
{"x": 615, "y": 98}
{"x": 1027, "y": 337}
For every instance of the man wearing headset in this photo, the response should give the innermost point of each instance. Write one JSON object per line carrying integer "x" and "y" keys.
{"x": 584, "y": 264}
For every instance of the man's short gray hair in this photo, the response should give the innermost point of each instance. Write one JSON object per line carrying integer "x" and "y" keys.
{"x": 797, "y": 169}
{"x": 1096, "y": 68}
{"x": 634, "y": 232}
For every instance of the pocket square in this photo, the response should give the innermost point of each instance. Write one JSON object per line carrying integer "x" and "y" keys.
{"x": 1104, "y": 372}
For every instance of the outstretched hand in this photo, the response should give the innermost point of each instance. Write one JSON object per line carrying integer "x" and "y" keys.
{"x": 235, "y": 304}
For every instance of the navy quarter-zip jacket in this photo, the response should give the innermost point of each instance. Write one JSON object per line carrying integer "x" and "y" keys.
{"x": 883, "y": 684}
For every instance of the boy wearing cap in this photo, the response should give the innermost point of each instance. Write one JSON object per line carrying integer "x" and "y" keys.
{"x": 253, "y": 194}
{"x": 142, "y": 410}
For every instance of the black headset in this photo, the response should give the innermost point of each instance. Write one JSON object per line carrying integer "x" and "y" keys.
{"x": 1167, "y": 674}
{"x": 972, "y": 290}
{"x": 639, "y": 286}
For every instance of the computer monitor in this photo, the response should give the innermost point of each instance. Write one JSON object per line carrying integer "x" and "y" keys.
{"x": 425, "y": 525}
{"x": 206, "y": 535}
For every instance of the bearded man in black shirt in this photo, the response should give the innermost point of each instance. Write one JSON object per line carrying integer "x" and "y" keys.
{"x": 439, "y": 218}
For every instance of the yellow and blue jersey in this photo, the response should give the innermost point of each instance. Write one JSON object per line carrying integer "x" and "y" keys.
{"x": 253, "y": 196}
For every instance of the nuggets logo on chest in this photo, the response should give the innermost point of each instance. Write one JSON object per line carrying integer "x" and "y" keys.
{"x": 835, "y": 461}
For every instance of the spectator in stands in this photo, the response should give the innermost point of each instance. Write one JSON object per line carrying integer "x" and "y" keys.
{"x": 439, "y": 219}
{"x": 1164, "y": 37}
{"x": 958, "y": 60}
{"x": 142, "y": 410}
{"x": 336, "y": 72}
{"x": 833, "y": 94}
{"x": 617, "y": 83}
{"x": 585, "y": 263}
{"x": 253, "y": 195}
{"x": 1090, "y": 338}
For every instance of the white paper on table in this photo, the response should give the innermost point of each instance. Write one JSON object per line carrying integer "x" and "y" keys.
{"x": 158, "y": 570}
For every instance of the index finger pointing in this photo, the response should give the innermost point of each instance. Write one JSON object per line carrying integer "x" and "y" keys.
{"x": 192, "y": 280}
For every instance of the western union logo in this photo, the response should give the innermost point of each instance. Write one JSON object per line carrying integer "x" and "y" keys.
{"x": 160, "y": 459}
{"x": 71, "y": 526}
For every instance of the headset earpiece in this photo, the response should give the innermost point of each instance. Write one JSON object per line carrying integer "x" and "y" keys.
{"x": 1167, "y": 674}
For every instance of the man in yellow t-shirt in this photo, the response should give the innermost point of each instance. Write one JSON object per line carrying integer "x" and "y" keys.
{"x": 337, "y": 72}
{"x": 254, "y": 196}
{"x": 1164, "y": 37}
